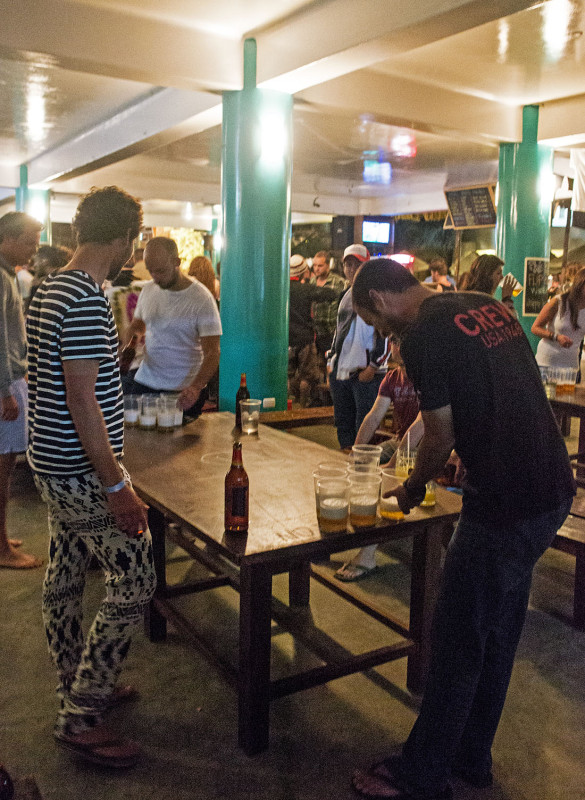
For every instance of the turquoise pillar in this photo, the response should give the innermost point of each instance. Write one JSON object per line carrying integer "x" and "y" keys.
{"x": 21, "y": 194}
{"x": 36, "y": 202}
{"x": 524, "y": 211}
{"x": 256, "y": 188}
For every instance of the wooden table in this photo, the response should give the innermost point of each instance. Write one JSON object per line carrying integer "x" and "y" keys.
{"x": 573, "y": 405}
{"x": 181, "y": 477}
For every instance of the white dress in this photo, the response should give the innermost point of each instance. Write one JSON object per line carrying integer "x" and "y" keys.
{"x": 551, "y": 354}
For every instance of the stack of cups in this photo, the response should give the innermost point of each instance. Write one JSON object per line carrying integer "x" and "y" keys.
{"x": 365, "y": 479}
{"x": 331, "y": 496}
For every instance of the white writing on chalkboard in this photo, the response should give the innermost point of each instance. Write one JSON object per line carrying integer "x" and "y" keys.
{"x": 473, "y": 207}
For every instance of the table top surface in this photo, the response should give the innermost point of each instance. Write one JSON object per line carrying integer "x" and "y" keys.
{"x": 573, "y": 401}
{"x": 183, "y": 472}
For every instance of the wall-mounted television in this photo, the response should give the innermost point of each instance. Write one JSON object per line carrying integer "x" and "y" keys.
{"x": 373, "y": 231}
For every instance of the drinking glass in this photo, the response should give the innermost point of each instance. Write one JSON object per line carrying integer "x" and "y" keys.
{"x": 430, "y": 495}
{"x": 250, "y": 416}
{"x": 131, "y": 409}
{"x": 327, "y": 470}
{"x": 148, "y": 410}
{"x": 364, "y": 493}
{"x": 333, "y": 497}
{"x": 389, "y": 507}
{"x": 165, "y": 413}
{"x": 366, "y": 455}
{"x": 405, "y": 460}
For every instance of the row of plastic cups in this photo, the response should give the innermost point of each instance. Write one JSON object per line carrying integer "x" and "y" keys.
{"x": 151, "y": 411}
{"x": 563, "y": 378}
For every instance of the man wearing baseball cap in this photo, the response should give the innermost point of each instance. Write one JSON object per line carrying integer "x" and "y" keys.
{"x": 357, "y": 359}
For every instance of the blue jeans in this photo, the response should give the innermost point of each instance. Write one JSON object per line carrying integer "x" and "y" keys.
{"x": 476, "y": 628}
{"x": 352, "y": 400}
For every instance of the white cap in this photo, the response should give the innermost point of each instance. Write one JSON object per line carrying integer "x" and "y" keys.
{"x": 297, "y": 265}
{"x": 358, "y": 251}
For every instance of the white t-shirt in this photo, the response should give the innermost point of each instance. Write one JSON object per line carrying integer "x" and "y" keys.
{"x": 175, "y": 322}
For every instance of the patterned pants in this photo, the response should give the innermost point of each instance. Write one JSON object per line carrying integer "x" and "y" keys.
{"x": 80, "y": 527}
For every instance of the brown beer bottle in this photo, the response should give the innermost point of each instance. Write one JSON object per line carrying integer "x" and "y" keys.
{"x": 241, "y": 394}
{"x": 128, "y": 354}
{"x": 236, "y": 494}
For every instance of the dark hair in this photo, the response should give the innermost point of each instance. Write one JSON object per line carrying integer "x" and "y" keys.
{"x": 571, "y": 297}
{"x": 481, "y": 274}
{"x": 439, "y": 265}
{"x": 107, "y": 214}
{"x": 15, "y": 223}
{"x": 55, "y": 257}
{"x": 383, "y": 275}
{"x": 167, "y": 244}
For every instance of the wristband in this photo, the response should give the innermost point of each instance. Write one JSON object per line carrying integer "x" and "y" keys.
{"x": 416, "y": 494}
{"x": 113, "y": 489}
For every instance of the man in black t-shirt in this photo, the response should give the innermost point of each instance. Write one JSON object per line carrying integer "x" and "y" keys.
{"x": 481, "y": 393}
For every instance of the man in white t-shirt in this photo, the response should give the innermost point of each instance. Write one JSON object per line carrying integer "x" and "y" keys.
{"x": 181, "y": 324}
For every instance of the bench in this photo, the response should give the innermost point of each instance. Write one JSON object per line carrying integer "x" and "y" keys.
{"x": 571, "y": 539}
{"x": 297, "y": 417}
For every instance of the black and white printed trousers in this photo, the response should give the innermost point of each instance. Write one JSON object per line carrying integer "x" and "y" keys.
{"x": 80, "y": 526}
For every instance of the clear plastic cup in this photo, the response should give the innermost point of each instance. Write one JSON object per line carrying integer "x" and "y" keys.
{"x": 328, "y": 470}
{"x": 389, "y": 508}
{"x": 364, "y": 493}
{"x": 333, "y": 504}
{"x": 430, "y": 498}
{"x": 366, "y": 455}
{"x": 250, "y": 416}
{"x": 132, "y": 409}
{"x": 165, "y": 413}
{"x": 148, "y": 411}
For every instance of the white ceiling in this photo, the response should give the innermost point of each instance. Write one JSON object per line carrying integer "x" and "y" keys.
{"x": 94, "y": 92}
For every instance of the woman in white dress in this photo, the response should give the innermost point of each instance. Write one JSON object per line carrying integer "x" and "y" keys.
{"x": 561, "y": 327}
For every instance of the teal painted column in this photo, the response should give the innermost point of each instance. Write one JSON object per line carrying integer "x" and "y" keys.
{"x": 36, "y": 202}
{"x": 524, "y": 211}
{"x": 21, "y": 194}
{"x": 256, "y": 189}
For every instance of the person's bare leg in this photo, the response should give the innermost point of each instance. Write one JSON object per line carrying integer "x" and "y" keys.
{"x": 9, "y": 555}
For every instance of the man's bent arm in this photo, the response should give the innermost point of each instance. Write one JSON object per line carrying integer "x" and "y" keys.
{"x": 136, "y": 328}
{"x": 209, "y": 365}
{"x": 433, "y": 451}
{"x": 80, "y": 379}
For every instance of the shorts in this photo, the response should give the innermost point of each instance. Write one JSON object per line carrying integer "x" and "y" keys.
{"x": 14, "y": 435}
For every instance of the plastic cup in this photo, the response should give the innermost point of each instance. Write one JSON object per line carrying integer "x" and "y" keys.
{"x": 327, "y": 470}
{"x": 364, "y": 493}
{"x": 131, "y": 409}
{"x": 430, "y": 498}
{"x": 148, "y": 411}
{"x": 250, "y": 416}
{"x": 405, "y": 460}
{"x": 366, "y": 455}
{"x": 389, "y": 508}
{"x": 333, "y": 504}
{"x": 165, "y": 414}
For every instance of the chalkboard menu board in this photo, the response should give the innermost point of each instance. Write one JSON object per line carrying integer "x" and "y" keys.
{"x": 473, "y": 207}
{"x": 535, "y": 285}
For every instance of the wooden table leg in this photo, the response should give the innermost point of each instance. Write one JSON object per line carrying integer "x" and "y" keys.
{"x": 154, "y": 621}
{"x": 254, "y": 658}
{"x": 580, "y": 472}
{"x": 424, "y": 584}
{"x": 299, "y": 582}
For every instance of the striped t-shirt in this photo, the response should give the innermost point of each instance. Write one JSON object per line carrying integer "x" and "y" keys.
{"x": 69, "y": 318}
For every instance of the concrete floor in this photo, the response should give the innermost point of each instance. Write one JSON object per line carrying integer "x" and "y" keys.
{"x": 186, "y": 719}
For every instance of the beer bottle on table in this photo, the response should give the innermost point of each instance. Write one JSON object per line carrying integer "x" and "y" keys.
{"x": 236, "y": 494}
{"x": 241, "y": 394}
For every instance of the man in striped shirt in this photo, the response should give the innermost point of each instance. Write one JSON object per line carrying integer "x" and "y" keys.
{"x": 75, "y": 451}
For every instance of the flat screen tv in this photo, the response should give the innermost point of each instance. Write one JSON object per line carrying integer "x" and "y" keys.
{"x": 373, "y": 231}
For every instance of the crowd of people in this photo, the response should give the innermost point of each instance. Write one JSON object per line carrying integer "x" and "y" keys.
{"x": 379, "y": 338}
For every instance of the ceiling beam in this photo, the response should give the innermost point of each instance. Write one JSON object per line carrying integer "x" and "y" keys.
{"x": 107, "y": 41}
{"x": 160, "y": 117}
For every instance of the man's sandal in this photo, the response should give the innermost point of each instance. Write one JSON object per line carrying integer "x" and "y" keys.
{"x": 103, "y": 747}
{"x": 354, "y": 572}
